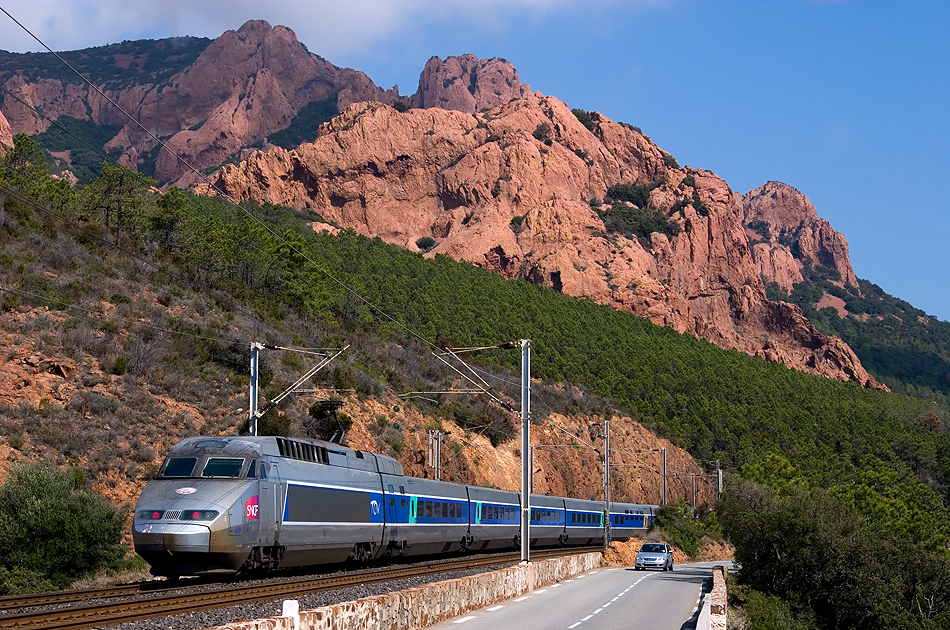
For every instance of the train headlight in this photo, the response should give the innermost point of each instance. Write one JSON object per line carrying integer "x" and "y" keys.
{"x": 199, "y": 515}
{"x": 149, "y": 515}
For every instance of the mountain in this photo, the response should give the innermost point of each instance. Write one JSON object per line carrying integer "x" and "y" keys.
{"x": 805, "y": 262}
{"x": 520, "y": 189}
{"x": 224, "y": 95}
{"x": 214, "y": 102}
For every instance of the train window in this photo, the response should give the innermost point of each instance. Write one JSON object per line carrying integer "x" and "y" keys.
{"x": 429, "y": 509}
{"x": 222, "y": 467}
{"x": 392, "y": 502}
{"x": 402, "y": 490}
{"x": 252, "y": 469}
{"x": 180, "y": 466}
{"x": 483, "y": 512}
{"x": 445, "y": 509}
{"x": 402, "y": 503}
{"x": 451, "y": 510}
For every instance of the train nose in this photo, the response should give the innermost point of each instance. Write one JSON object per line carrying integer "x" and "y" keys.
{"x": 174, "y": 537}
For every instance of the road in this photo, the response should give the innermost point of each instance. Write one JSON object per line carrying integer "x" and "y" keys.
{"x": 602, "y": 599}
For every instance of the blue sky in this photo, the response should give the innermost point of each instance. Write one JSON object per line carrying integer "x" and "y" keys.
{"x": 847, "y": 101}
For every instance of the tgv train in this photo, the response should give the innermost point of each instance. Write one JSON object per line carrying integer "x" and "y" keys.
{"x": 242, "y": 504}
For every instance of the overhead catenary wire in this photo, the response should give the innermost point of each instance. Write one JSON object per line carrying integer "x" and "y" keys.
{"x": 406, "y": 329}
{"x": 480, "y": 383}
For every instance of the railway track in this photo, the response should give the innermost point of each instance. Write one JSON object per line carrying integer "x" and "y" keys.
{"x": 156, "y": 604}
{"x": 12, "y": 602}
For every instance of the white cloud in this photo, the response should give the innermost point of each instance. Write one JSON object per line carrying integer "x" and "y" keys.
{"x": 327, "y": 27}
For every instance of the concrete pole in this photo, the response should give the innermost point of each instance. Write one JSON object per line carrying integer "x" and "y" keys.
{"x": 525, "y": 449}
{"x": 255, "y": 376}
{"x": 664, "y": 476}
{"x": 606, "y": 483}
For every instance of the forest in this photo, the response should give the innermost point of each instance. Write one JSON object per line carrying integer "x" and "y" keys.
{"x": 793, "y": 443}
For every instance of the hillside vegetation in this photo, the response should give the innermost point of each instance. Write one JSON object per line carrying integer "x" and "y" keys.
{"x": 880, "y": 456}
{"x": 115, "y": 66}
{"x": 902, "y": 346}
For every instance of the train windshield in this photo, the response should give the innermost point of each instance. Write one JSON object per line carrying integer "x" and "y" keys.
{"x": 223, "y": 467}
{"x": 180, "y": 466}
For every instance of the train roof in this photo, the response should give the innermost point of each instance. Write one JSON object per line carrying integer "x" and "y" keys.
{"x": 304, "y": 449}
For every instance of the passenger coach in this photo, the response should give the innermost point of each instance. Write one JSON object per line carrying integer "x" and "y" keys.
{"x": 247, "y": 503}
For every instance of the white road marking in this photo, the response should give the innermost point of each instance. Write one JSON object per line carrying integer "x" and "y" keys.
{"x": 605, "y": 605}
{"x": 494, "y": 608}
{"x": 575, "y": 625}
{"x": 597, "y": 611}
{"x": 540, "y": 590}
{"x": 587, "y": 617}
{"x": 555, "y": 585}
{"x": 463, "y": 620}
{"x": 521, "y": 599}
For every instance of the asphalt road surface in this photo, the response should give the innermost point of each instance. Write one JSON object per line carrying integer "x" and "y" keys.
{"x": 602, "y": 599}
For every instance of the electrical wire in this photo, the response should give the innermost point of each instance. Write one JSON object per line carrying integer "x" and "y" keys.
{"x": 351, "y": 291}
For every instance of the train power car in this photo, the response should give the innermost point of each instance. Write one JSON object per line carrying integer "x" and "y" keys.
{"x": 240, "y": 504}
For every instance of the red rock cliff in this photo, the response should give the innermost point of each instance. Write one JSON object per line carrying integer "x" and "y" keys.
{"x": 247, "y": 84}
{"x": 491, "y": 189}
{"x": 467, "y": 84}
{"x": 6, "y": 136}
{"x": 793, "y": 220}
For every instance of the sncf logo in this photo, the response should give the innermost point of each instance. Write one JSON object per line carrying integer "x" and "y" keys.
{"x": 250, "y": 508}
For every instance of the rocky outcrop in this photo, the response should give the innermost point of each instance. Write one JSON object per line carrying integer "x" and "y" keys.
{"x": 510, "y": 189}
{"x": 467, "y": 84}
{"x": 796, "y": 236}
{"x": 247, "y": 84}
{"x": 6, "y": 135}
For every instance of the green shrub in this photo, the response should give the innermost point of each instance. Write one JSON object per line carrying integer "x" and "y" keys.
{"x": 120, "y": 366}
{"x": 670, "y": 161}
{"x": 51, "y": 532}
{"x": 632, "y": 221}
{"x": 399, "y": 106}
{"x": 543, "y": 133}
{"x": 760, "y": 226}
{"x": 637, "y": 194}
{"x": 677, "y": 520}
{"x": 425, "y": 243}
{"x": 584, "y": 117}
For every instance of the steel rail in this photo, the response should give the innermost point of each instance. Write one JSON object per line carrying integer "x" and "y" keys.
{"x": 11, "y": 602}
{"x": 106, "y": 614}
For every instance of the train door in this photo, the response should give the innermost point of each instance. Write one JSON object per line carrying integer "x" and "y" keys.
{"x": 270, "y": 507}
{"x": 267, "y": 512}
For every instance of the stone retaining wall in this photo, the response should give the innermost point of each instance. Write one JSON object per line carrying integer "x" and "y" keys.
{"x": 426, "y": 605}
{"x": 717, "y": 599}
